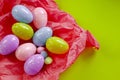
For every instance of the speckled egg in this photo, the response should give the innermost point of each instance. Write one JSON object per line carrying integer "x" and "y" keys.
{"x": 40, "y": 17}
{"x": 22, "y": 30}
{"x": 40, "y": 36}
{"x": 22, "y": 14}
{"x": 57, "y": 45}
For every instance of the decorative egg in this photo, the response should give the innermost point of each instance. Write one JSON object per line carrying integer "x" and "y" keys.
{"x": 44, "y": 54}
{"x": 8, "y": 44}
{"x": 34, "y": 64}
{"x": 40, "y": 17}
{"x": 40, "y": 36}
{"x": 57, "y": 45}
{"x": 48, "y": 60}
{"x": 40, "y": 49}
{"x": 24, "y": 51}
{"x": 23, "y": 31}
{"x": 22, "y": 14}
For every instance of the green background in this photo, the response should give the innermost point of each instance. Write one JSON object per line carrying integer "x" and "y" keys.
{"x": 102, "y": 18}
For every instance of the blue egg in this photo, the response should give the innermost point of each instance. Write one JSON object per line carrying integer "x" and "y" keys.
{"x": 44, "y": 54}
{"x": 40, "y": 36}
{"x": 22, "y": 14}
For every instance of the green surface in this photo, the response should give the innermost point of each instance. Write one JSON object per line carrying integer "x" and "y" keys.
{"x": 102, "y": 18}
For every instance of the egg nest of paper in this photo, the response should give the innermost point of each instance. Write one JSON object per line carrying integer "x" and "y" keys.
{"x": 62, "y": 24}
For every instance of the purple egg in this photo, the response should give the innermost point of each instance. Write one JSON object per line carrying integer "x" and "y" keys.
{"x": 34, "y": 64}
{"x": 8, "y": 44}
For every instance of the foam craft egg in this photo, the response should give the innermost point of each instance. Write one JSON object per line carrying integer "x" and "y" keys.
{"x": 23, "y": 31}
{"x": 40, "y": 17}
{"x": 22, "y": 14}
{"x": 57, "y": 45}
{"x": 24, "y": 51}
{"x": 8, "y": 44}
{"x": 40, "y": 49}
{"x": 48, "y": 60}
{"x": 41, "y": 35}
{"x": 34, "y": 64}
{"x": 44, "y": 54}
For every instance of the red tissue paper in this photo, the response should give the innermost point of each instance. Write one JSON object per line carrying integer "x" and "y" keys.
{"x": 63, "y": 26}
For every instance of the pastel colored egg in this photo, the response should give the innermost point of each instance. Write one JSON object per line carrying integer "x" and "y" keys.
{"x": 8, "y": 44}
{"x": 40, "y": 36}
{"x": 48, "y": 60}
{"x": 40, "y": 17}
{"x": 22, "y": 14}
{"x": 23, "y": 31}
{"x": 44, "y": 54}
{"x": 40, "y": 49}
{"x": 57, "y": 45}
{"x": 34, "y": 64}
{"x": 24, "y": 51}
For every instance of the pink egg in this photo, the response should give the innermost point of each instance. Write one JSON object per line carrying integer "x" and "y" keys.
{"x": 40, "y": 17}
{"x": 24, "y": 51}
{"x": 40, "y": 49}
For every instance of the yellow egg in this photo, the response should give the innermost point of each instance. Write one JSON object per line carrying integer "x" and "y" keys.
{"x": 22, "y": 30}
{"x": 48, "y": 60}
{"x": 57, "y": 45}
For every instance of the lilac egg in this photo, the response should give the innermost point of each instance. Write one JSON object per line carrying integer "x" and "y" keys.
{"x": 34, "y": 64}
{"x": 8, "y": 44}
{"x": 41, "y": 35}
